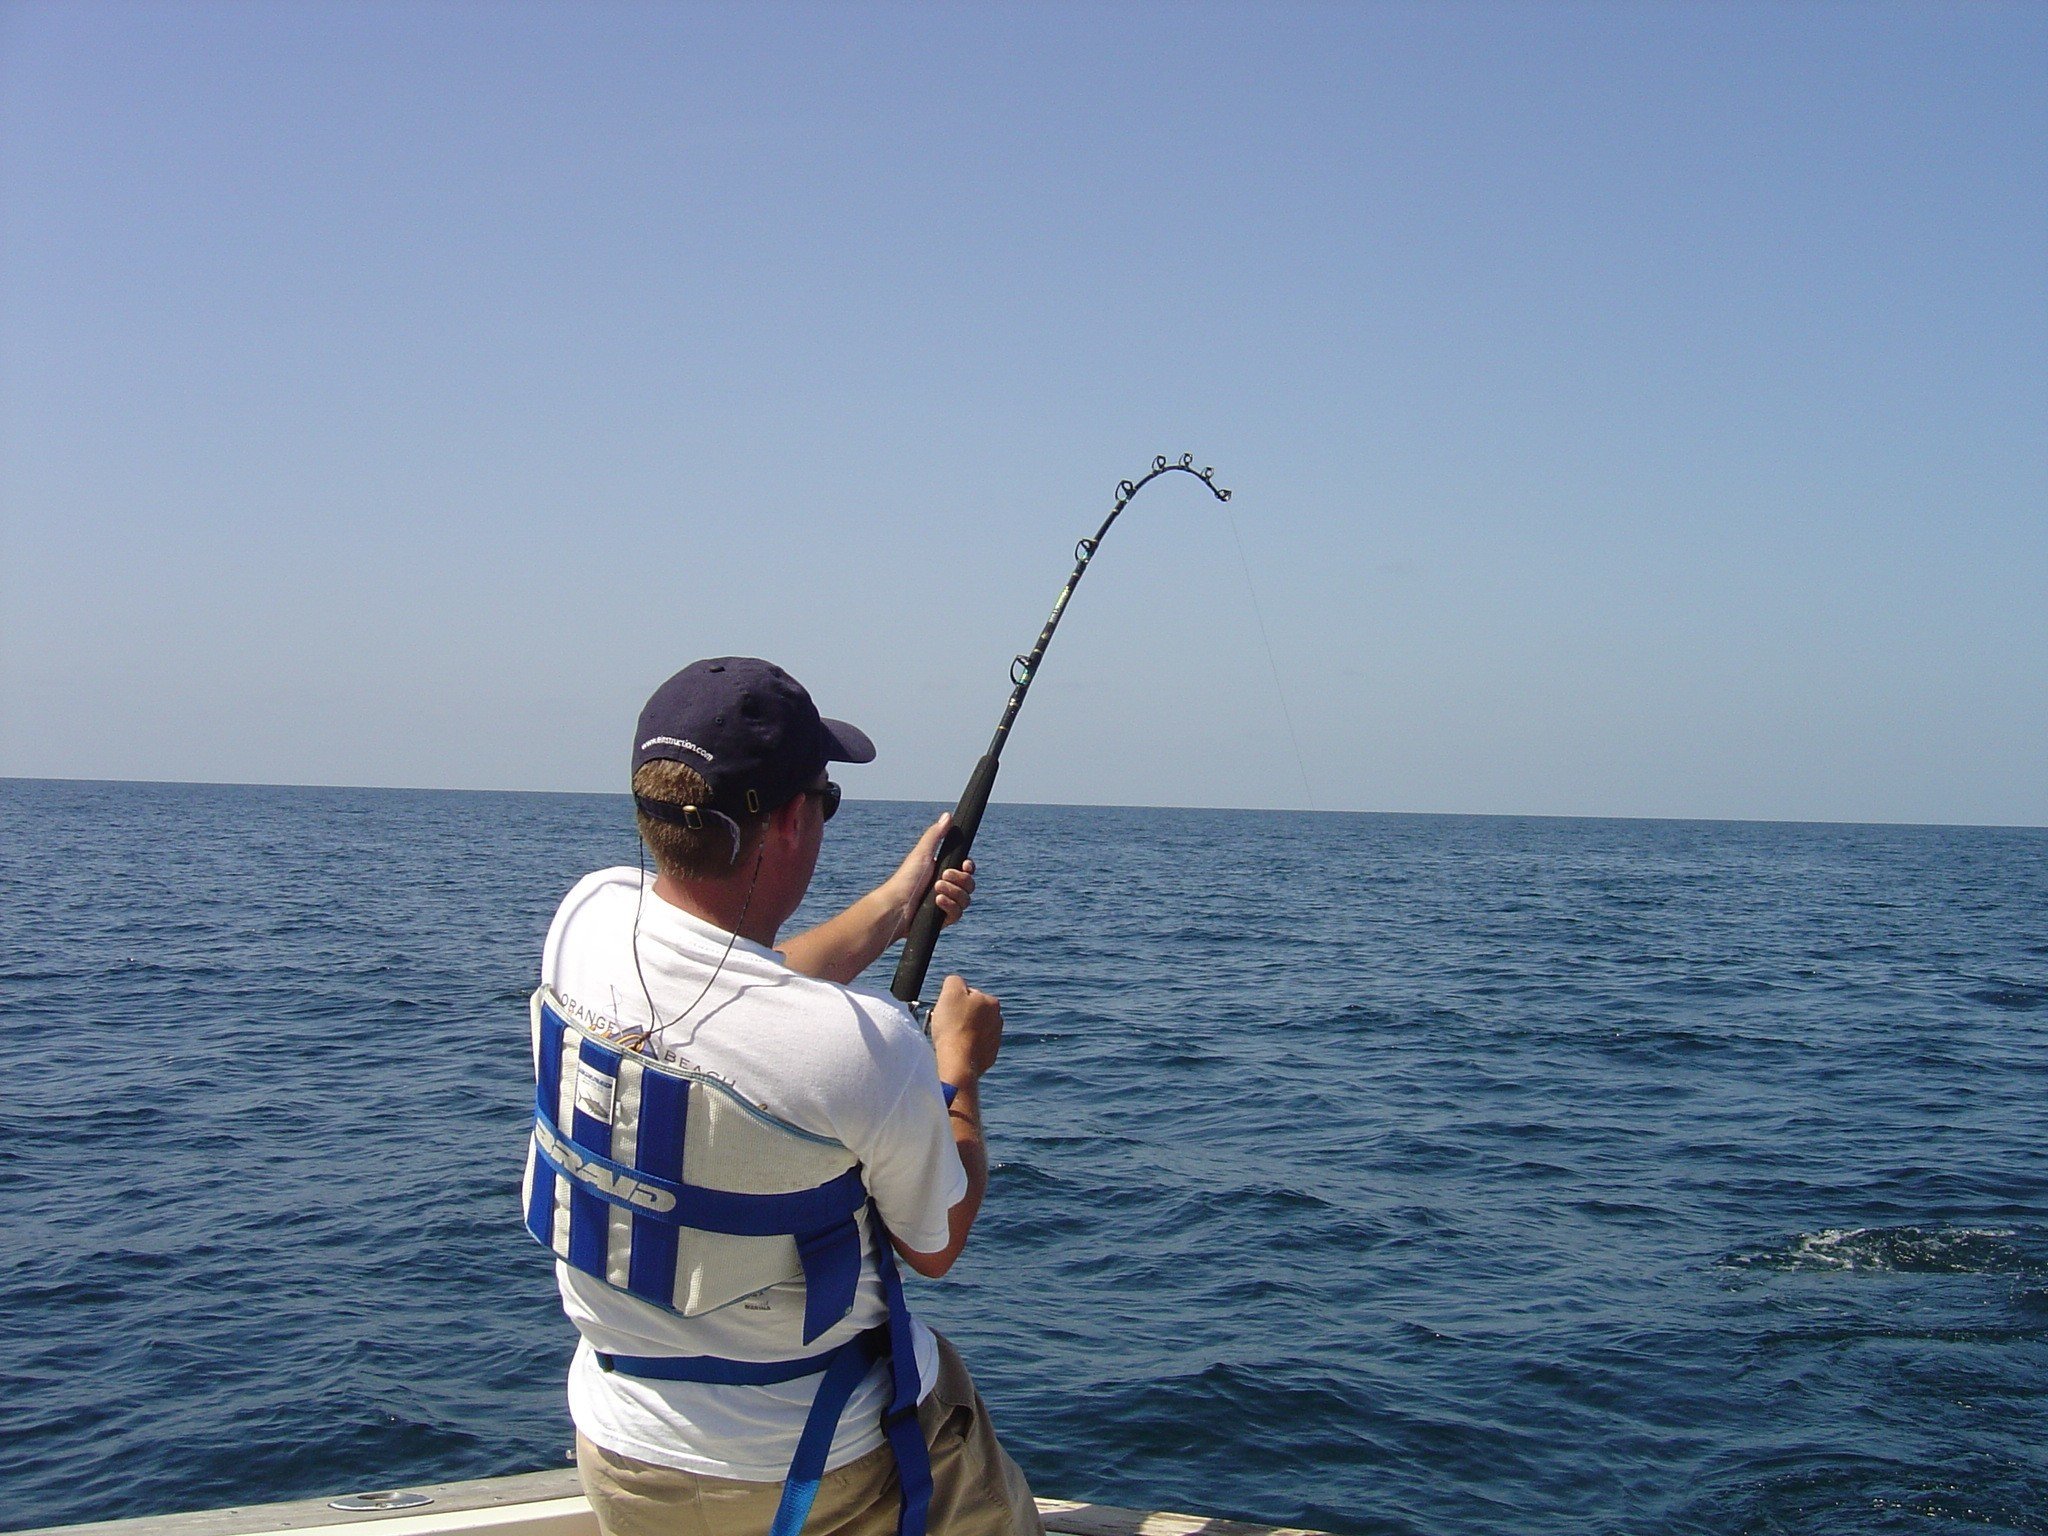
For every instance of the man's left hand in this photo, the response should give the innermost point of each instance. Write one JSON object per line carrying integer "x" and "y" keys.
{"x": 907, "y": 887}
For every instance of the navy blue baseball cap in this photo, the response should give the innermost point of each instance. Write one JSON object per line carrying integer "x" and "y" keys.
{"x": 748, "y": 728}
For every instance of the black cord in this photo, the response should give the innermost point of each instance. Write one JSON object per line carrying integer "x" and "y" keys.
{"x": 646, "y": 1037}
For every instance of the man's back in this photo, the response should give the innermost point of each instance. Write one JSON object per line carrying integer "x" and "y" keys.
{"x": 832, "y": 1061}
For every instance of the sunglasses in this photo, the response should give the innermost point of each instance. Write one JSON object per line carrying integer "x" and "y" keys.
{"x": 828, "y": 795}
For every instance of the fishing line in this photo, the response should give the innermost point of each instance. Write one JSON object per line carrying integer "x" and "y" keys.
{"x": 1279, "y": 688}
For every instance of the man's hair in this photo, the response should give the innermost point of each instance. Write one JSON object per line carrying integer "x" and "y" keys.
{"x": 689, "y": 852}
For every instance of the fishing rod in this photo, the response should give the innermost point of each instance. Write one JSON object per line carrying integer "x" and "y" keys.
{"x": 923, "y": 935}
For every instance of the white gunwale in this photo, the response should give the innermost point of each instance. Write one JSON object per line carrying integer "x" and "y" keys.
{"x": 551, "y": 1504}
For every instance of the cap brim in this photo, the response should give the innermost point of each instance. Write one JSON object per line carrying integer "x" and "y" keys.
{"x": 846, "y": 743}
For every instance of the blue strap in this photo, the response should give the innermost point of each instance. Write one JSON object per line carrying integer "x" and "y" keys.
{"x": 589, "y": 1229}
{"x": 899, "y": 1422}
{"x": 658, "y": 1149}
{"x": 849, "y": 1368}
{"x": 949, "y": 1092}
{"x": 913, "y": 1469}
{"x": 843, "y": 1370}
{"x": 831, "y": 1260}
{"x": 724, "y": 1373}
{"x": 708, "y": 1210}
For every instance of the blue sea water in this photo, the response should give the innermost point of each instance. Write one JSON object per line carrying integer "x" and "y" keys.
{"x": 1428, "y": 1175}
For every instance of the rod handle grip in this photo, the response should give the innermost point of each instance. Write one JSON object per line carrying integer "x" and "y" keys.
{"x": 923, "y": 935}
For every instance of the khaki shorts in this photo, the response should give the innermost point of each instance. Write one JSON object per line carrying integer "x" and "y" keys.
{"x": 976, "y": 1489}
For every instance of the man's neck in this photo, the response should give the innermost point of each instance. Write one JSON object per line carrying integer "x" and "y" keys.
{"x": 734, "y": 906}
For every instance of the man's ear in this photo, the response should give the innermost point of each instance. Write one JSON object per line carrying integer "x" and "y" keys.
{"x": 786, "y": 820}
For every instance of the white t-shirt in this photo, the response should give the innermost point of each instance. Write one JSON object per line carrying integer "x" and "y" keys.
{"x": 836, "y": 1061}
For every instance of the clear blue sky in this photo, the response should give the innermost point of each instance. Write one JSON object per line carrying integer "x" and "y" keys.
{"x": 1632, "y": 409}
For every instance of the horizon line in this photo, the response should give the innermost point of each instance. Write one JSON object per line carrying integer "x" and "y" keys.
{"x": 1256, "y": 810}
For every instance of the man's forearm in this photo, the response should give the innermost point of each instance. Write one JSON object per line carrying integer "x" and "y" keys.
{"x": 841, "y": 947}
{"x": 964, "y": 1115}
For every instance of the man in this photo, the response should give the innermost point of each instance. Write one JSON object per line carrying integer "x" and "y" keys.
{"x": 731, "y": 1141}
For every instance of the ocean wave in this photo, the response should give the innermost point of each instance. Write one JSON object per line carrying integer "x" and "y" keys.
{"x": 2014, "y": 997}
{"x": 1908, "y": 1250}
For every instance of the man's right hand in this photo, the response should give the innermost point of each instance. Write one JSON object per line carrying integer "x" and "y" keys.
{"x": 967, "y": 1032}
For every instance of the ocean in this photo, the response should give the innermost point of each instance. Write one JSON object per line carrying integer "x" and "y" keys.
{"x": 1448, "y": 1176}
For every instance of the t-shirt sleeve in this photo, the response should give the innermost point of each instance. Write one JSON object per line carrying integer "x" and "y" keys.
{"x": 912, "y": 1168}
